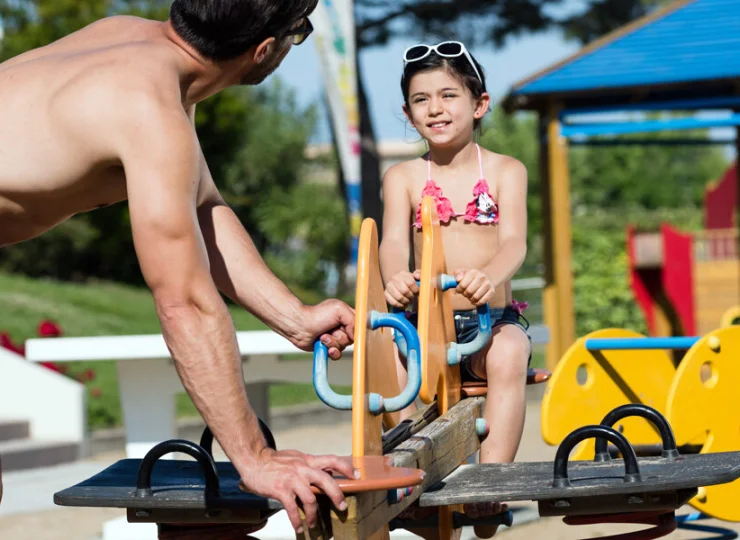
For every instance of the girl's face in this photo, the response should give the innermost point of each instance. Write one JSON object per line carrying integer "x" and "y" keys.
{"x": 442, "y": 109}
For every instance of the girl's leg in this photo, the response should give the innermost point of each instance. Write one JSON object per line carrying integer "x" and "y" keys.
{"x": 506, "y": 372}
{"x": 505, "y": 368}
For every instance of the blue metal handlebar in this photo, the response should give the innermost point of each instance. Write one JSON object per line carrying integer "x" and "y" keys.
{"x": 484, "y": 322}
{"x": 456, "y": 350}
{"x": 376, "y": 403}
{"x": 321, "y": 380}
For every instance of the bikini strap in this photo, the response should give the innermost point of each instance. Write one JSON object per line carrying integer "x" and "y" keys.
{"x": 480, "y": 161}
{"x": 429, "y": 166}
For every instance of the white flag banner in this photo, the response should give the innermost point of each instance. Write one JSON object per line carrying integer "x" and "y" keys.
{"x": 333, "y": 21}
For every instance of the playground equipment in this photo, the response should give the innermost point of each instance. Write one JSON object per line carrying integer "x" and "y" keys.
{"x": 608, "y": 368}
{"x": 689, "y": 283}
{"x": 418, "y": 460}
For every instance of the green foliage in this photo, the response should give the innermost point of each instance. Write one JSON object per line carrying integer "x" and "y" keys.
{"x": 603, "y": 297}
{"x": 379, "y": 21}
{"x": 28, "y": 24}
{"x": 304, "y": 224}
{"x": 646, "y": 176}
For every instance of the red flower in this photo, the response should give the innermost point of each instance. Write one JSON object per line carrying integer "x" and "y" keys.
{"x": 53, "y": 367}
{"x": 96, "y": 393}
{"x": 48, "y": 328}
{"x": 90, "y": 375}
{"x": 7, "y": 343}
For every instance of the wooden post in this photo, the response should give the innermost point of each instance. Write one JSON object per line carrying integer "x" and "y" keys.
{"x": 560, "y": 229}
{"x": 549, "y": 292}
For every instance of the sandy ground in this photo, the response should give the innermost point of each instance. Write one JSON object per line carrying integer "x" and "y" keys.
{"x": 53, "y": 523}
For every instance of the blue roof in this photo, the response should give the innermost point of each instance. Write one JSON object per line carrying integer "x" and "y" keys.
{"x": 689, "y": 41}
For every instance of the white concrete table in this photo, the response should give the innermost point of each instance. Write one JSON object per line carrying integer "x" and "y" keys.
{"x": 148, "y": 381}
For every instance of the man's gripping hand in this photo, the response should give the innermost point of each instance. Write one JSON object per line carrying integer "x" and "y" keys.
{"x": 288, "y": 475}
{"x": 331, "y": 321}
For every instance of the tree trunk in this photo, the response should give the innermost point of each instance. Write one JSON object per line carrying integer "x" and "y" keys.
{"x": 372, "y": 206}
{"x": 343, "y": 257}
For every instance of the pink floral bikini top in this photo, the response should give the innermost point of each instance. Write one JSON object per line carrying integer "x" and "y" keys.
{"x": 482, "y": 209}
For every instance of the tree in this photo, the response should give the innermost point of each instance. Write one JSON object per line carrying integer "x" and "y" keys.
{"x": 475, "y": 22}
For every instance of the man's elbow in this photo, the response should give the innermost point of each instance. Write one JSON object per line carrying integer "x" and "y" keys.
{"x": 173, "y": 301}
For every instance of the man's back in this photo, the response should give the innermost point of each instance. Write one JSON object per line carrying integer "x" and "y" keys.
{"x": 56, "y": 102}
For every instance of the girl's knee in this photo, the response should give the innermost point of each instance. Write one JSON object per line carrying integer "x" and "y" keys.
{"x": 508, "y": 357}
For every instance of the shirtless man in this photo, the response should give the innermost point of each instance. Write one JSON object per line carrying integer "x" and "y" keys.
{"x": 105, "y": 115}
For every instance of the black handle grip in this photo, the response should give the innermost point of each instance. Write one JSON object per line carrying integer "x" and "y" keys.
{"x": 206, "y": 439}
{"x": 631, "y": 469}
{"x": 670, "y": 450}
{"x": 204, "y": 459}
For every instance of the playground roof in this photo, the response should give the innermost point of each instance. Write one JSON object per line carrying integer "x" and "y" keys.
{"x": 687, "y": 50}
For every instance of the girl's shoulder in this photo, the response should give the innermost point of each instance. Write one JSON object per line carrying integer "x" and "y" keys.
{"x": 496, "y": 165}
{"x": 406, "y": 171}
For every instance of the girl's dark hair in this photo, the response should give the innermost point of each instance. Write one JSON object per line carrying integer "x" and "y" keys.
{"x": 225, "y": 29}
{"x": 457, "y": 66}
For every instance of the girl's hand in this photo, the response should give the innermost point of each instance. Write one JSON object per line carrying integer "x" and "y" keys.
{"x": 401, "y": 289}
{"x": 474, "y": 285}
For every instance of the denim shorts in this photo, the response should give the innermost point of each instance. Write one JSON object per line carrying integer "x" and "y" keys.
{"x": 466, "y": 328}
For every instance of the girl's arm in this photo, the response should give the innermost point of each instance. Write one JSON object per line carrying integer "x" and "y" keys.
{"x": 512, "y": 227}
{"x": 395, "y": 247}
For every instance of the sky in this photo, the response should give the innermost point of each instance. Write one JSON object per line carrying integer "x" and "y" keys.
{"x": 381, "y": 70}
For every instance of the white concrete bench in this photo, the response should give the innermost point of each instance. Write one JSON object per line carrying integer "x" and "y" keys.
{"x": 148, "y": 381}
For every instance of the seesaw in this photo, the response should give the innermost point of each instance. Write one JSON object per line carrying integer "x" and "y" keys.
{"x": 699, "y": 397}
{"x": 418, "y": 460}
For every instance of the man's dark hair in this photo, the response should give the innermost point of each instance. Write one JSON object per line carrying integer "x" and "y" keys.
{"x": 225, "y": 29}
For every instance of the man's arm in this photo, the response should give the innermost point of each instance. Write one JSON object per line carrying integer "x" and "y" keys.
{"x": 162, "y": 173}
{"x": 240, "y": 273}
{"x": 160, "y": 155}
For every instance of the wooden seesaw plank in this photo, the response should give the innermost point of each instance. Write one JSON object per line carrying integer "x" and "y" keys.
{"x": 588, "y": 481}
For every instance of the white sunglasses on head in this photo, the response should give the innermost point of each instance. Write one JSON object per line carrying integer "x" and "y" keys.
{"x": 446, "y": 49}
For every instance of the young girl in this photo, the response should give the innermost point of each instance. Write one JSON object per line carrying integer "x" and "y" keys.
{"x": 481, "y": 204}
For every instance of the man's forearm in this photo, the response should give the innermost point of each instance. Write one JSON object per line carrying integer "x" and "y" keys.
{"x": 240, "y": 272}
{"x": 203, "y": 344}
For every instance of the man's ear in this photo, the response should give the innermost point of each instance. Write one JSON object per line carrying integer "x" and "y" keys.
{"x": 262, "y": 51}
{"x": 484, "y": 102}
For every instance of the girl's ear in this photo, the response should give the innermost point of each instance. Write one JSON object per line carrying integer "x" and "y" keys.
{"x": 407, "y": 113}
{"x": 481, "y": 108}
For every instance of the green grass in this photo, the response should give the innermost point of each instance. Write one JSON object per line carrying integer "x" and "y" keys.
{"x": 99, "y": 308}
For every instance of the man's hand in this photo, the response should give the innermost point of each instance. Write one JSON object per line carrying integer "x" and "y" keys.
{"x": 288, "y": 475}
{"x": 474, "y": 285}
{"x": 332, "y": 321}
{"x": 402, "y": 288}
